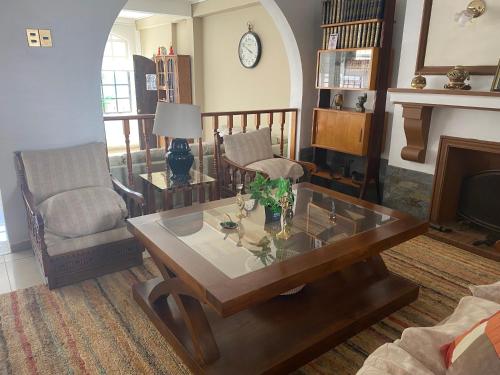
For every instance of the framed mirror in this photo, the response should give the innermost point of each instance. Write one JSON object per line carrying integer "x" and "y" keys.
{"x": 445, "y": 44}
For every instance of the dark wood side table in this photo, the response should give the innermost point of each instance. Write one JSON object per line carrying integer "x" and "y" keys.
{"x": 162, "y": 182}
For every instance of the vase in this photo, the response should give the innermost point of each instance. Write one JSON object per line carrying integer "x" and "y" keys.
{"x": 419, "y": 82}
{"x": 271, "y": 216}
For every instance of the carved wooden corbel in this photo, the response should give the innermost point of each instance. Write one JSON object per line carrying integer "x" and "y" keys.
{"x": 417, "y": 123}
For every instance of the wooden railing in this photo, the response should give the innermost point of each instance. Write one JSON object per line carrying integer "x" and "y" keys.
{"x": 227, "y": 122}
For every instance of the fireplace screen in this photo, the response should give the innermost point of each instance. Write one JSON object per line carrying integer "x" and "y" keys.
{"x": 480, "y": 200}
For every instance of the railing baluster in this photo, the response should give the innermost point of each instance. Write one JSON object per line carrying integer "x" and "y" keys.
{"x": 292, "y": 142}
{"x": 245, "y": 122}
{"x": 146, "y": 133}
{"x": 271, "y": 120}
{"x": 216, "y": 157}
{"x": 126, "y": 133}
{"x": 282, "y": 125}
{"x": 231, "y": 124}
{"x": 259, "y": 118}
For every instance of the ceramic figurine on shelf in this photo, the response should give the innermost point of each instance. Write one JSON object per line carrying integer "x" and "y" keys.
{"x": 419, "y": 82}
{"x": 360, "y": 105}
{"x": 338, "y": 101}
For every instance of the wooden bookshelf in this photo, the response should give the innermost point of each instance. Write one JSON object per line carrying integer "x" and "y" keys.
{"x": 349, "y": 133}
{"x": 173, "y": 78}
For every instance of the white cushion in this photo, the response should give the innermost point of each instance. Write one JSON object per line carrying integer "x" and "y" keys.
{"x": 418, "y": 351}
{"x": 278, "y": 167}
{"x": 490, "y": 292}
{"x": 83, "y": 212}
{"x": 247, "y": 148}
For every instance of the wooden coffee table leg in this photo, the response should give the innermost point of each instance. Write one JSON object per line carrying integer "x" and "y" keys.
{"x": 378, "y": 266}
{"x": 190, "y": 309}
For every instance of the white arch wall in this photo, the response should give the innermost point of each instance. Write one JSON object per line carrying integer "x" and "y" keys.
{"x": 50, "y": 96}
{"x": 298, "y": 22}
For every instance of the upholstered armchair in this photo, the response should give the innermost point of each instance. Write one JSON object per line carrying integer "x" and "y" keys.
{"x": 76, "y": 213}
{"x": 240, "y": 157}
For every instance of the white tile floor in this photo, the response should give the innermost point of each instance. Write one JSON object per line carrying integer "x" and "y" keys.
{"x": 18, "y": 271}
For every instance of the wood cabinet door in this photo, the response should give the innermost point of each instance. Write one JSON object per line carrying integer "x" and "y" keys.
{"x": 342, "y": 131}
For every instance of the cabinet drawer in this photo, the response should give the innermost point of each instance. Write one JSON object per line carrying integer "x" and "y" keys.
{"x": 344, "y": 131}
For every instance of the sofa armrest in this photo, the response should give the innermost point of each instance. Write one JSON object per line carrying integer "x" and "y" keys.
{"x": 130, "y": 196}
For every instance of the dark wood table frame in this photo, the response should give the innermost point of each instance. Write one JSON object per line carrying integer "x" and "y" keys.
{"x": 219, "y": 325}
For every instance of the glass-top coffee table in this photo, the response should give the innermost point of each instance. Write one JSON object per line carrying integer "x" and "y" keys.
{"x": 249, "y": 300}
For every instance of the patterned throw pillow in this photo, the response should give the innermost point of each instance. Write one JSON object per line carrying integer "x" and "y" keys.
{"x": 476, "y": 351}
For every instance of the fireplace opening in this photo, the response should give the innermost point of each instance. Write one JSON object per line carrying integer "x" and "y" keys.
{"x": 465, "y": 208}
{"x": 480, "y": 200}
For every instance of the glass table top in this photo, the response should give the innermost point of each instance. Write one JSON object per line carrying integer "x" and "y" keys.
{"x": 318, "y": 220}
{"x": 163, "y": 181}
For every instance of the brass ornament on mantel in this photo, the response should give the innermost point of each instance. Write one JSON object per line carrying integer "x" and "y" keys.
{"x": 457, "y": 76}
{"x": 419, "y": 82}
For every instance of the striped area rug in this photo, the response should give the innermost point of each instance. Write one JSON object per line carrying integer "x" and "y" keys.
{"x": 95, "y": 327}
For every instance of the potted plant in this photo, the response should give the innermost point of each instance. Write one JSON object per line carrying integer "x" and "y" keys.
{"x": 269, "y": 192}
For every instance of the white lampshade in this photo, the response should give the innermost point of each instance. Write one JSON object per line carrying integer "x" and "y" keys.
{"x": 177, "y": 120}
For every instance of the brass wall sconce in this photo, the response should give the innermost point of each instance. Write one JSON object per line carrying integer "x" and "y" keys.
{"x": 475, "y": 9}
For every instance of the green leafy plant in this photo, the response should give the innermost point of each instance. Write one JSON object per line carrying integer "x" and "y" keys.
{"x": 269, "y": 192}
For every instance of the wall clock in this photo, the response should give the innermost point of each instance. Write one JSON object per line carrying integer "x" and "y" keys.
{"x": 250, "y": 49}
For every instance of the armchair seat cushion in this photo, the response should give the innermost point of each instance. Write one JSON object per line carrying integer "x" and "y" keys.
{"x": 278, "y": 167}
{"x": 82, "y": 212}
{"x": 57, "y": 245}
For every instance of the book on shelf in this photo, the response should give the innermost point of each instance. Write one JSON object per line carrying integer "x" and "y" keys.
{"x": 340, "y": 11}
{"x": 377, "y": 34}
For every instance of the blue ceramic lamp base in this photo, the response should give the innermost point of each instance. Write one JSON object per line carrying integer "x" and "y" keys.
{"x": 180, "y": 160}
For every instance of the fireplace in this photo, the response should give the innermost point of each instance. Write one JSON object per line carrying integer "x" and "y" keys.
{"x": 465, "y": 207}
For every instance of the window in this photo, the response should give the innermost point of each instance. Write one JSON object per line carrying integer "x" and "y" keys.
{"x": 116, "y": 81}
{"x": 116, "y": 92}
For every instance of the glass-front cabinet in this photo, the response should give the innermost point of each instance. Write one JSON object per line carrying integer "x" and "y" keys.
{"x": 347, "y": 69}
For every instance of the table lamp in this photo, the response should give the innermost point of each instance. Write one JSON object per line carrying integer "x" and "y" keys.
{"x": 180, "y": 122}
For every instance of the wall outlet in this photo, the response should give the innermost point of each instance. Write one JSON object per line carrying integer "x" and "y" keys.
{"x": 33, "y": 37}
{"x": 45, "y": 38}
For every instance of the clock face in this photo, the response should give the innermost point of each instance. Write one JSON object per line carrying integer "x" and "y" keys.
{"x": 250, "y": 50}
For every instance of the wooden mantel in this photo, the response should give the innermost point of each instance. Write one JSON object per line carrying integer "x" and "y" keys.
{"x": 417, "y": 112}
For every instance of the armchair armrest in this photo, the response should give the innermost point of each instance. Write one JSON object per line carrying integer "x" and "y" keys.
{"x": 308, "y": 166}
{"x": 35, "y": 220}
{"x": 241, "y": 168}
{"x": 130, "y": 195}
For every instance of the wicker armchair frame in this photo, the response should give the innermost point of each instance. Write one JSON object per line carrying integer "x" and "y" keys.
{"x": 230, "y": 174}
{"x": 86, "y": 263}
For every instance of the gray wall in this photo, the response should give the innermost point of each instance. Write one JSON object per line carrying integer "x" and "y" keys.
{"x": 50, "y": 96}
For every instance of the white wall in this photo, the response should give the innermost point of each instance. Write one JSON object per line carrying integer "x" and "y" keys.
{"x": 453, "y": 122}
{"x": 298, "y": 22}
{"x": 50, "y": 96}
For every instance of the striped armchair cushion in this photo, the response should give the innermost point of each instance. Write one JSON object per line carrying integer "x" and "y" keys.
{"x": 247, "y": 148}
{"x": 83, "y": 212}
{"x": 50, "y": 172}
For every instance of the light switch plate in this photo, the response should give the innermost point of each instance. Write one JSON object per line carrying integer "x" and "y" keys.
{"x": 33, "y": 37}
{"x": 45, "y": 38}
